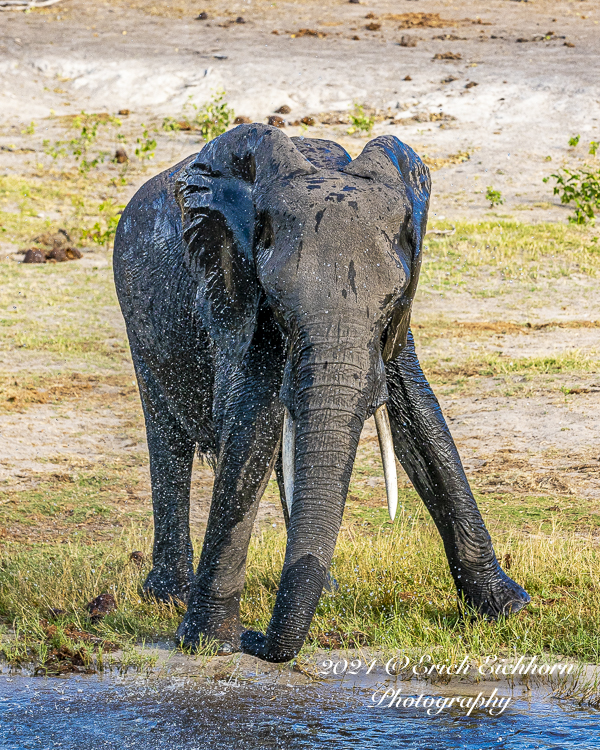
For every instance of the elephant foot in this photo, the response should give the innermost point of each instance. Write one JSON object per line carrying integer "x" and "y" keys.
{"x": 500, "y": 596}
{"x": 162, "y": 584}
{"x": 200, "y": 629}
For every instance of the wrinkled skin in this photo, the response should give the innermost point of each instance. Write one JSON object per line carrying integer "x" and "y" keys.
{"x": 268, "y": 272}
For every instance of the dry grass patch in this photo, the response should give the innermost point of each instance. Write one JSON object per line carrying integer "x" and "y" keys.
{"x": 18, "y": 392}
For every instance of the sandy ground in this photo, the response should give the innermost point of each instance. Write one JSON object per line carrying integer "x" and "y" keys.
{"x": 532, "y": 91}
{"x": 530, "y": 97}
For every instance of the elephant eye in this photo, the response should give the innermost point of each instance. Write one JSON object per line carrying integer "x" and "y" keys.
{"x": 197, "y": 189}
{"x": 205, "y": 169}
{"x": 264, "y": 233}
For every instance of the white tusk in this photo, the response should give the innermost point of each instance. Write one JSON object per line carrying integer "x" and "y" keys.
{"x": 288, "y": 458}
{"x": 384, "y": 432}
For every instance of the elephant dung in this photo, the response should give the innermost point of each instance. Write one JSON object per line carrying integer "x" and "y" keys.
{"x": 101, "y": 606}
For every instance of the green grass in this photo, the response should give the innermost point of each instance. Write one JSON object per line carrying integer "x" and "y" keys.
{"x": 22, "y": 199}
{"x": 76, "y": 504}
{"x": 492, "y": 364}
{"x": 66, "y": 535}
{"x": 63, "y": 308}
{"x": 395, "y": 592}
{"x": 495, "y": 251}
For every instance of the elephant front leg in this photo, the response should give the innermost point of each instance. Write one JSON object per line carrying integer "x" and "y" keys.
{"x": 426, "y": 450}
{"x": 249, "y": 438}
{"x": 171, "y": 457}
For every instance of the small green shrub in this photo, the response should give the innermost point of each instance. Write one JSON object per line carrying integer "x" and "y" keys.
{"x": 146, "y": 146}
{"x": 80, "y": 147}
{"x": 103, "y": 231}
{"x": 493, "y": 196}
{"x": 170, "y": 125}
{"x": 214, "y": 117}
{"x": 580, "y": 186}
{"x": 361, "y": 123}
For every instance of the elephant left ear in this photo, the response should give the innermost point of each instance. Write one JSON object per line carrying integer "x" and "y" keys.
{"x": 386, "y": 159}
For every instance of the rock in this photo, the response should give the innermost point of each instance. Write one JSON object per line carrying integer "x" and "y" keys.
{"x": 308, "y": 120}
{"x": 407, "y": 78}
{"x": 276, "y": 121}
{"x": 101, "y": 606}
{"x": 449, "y": 79}
{"x": 373, "y": 26}
{"x": 354, "y": 2}
{"x": 471, "y": 84}
{"x": 124, "y": 112}
{"x": 121, "y": 156}
{"x": 241, "y": 120}
{"x": 407, "y": 41}
{"x": 34, "y": 255}
{"x": 284, "y": 110}
{"x": 240, "y": 19}
{"x": 137, "y": 557}
{"x": 355, "y": 38}
{"x": 202, "y": 16}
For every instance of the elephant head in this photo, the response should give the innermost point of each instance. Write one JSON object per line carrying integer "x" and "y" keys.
{"x": 332, "y": 248}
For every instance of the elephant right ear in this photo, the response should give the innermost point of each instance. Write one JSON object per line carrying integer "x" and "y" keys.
{"x": 216, "y": 196}
{"x": 218, "y": 228}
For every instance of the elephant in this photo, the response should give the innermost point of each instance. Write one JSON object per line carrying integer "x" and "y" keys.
{"x": 266, "y": 285}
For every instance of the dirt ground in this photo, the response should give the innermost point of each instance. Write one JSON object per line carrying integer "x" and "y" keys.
{"x": 522, "y": 78}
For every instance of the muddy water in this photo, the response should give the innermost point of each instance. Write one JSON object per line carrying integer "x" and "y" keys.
{"x": 108, "y": 713}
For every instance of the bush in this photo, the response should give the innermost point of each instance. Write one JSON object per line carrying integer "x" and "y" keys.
{"x": 361, "y": 122}
{"x": 579, "y": 186}
{"x": 493, "y": 196}
{"x": 214, "y": 117}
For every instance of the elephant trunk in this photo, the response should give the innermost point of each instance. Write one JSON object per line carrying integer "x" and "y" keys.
{"x": 329, "y": 413}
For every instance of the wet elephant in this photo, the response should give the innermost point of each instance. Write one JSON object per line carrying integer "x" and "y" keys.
{"x": 266, "y": 285}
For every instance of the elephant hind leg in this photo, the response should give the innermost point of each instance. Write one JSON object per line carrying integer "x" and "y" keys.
{"x": 171, "y": 452}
